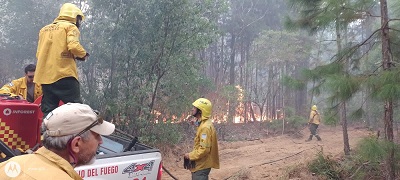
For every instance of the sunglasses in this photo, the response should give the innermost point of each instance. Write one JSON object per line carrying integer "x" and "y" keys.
{"x": 31, "y": 76}
{"x": 97, "y": 122}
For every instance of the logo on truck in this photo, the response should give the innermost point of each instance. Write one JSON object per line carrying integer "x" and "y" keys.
{"x": 136, "y": 169}
{"x": 8, "y": 111}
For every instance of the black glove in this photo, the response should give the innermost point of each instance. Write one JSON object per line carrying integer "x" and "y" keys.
{"x": 188, "y": 164}
{"x": 83, "y": 58}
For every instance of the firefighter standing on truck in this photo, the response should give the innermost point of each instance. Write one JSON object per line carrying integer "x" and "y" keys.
{"x": 205, "y": 151}
{"x": 58, "y": 47}
{"x": 24, "y": 86}
{"x": 315, "y": 120}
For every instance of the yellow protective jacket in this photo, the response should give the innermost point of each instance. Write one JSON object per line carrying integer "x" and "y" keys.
{"x": 42, "y": 165}
{"x": 315, "y": 118}
{"x": 205, "y": 150}
{"x": 18, "y": 87}
{"x": 57, "y": 49}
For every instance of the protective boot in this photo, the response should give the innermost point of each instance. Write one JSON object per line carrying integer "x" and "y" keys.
{"x": 318, "y": 138}
{"x": 310, "y": 138}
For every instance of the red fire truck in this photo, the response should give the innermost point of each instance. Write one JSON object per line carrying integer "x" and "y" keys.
{"x": 120, "y": 156}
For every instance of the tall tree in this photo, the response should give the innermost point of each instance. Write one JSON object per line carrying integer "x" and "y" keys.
{"x": 147, "y": 57}
{"x": 387, "y": 66}
{"x": 271, "y": 63}
{"x": 324, "y": 14}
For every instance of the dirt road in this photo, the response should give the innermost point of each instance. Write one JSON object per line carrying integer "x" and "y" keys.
{"x": 270, "y": 158}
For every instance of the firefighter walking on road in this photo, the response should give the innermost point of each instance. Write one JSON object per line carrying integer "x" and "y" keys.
{"x": 314, "y": 121}
{"x": 204, "y": 155}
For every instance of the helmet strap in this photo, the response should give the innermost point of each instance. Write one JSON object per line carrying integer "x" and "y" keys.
{"x": 78, "y": 21}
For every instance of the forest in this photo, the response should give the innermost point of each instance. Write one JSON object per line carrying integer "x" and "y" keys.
{"x": 258, "y": 61}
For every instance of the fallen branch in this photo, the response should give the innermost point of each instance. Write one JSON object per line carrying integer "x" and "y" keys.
{"x": 362, "y": 165}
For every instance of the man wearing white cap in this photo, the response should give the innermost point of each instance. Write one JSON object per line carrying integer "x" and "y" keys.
{"x": 71, "y": 139}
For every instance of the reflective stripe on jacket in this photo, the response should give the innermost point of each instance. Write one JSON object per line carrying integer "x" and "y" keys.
{"x": 43, "y": 164}
{"x": 315, "y": 117}
{"x": 19, "y": 87}
{"x": 205, "y": 151}
{"x": 57, "y": 49}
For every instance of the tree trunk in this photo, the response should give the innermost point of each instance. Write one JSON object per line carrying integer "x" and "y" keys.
{"x": 386, "y": 63}
{"x": 342, "y": 107}
{"x": 344, "y": 128}
{"x": 232, "y": 61}
{"x": 246, "y": 85}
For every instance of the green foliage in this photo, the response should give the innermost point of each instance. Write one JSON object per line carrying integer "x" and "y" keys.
{"x": 323, "y": 71}
{"x": 318, "y": 15}
{"x": 146, "y": 55}
{"x": 295, "y": 122}
{"x": 164, "y": 133}
{"x": 357, "y": 114}
{"x": 369, "y": 157}
{"x": 331, "y": 117}
{"x": 342, "y": 87}
{"x": 289, "y": 111}
{"x": 325, "y": 166}
{"x": 372, "y": 150}
{"x": 386, "y": 85}
{"x": 367, "y": 161}
{"x": 274, "y": 125}
{"x": 293, "y": 83}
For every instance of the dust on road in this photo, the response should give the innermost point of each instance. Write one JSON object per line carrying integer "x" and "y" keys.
{"x": 270, "y": 158}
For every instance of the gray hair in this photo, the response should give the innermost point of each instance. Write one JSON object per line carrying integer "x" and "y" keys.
{"x": 60, "y": 142}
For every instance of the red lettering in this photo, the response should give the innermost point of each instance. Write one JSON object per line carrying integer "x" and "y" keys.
{"x": 82, "y": 173}
{"x": 109, "y": 170}
{"x": 92, "y": 172}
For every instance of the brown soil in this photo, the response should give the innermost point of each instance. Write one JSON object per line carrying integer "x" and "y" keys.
{"x": 269, "y": 158}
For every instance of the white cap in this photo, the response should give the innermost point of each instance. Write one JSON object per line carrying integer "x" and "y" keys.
{"x": 72, "y": 118}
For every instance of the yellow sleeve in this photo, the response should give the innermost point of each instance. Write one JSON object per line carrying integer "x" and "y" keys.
{"x": 205, "y": 145}
{"x": 10, "y": 88}
{"x": 73, "y": 42}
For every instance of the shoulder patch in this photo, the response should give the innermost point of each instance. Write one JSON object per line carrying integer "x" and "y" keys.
{"x": 203, "y": 136}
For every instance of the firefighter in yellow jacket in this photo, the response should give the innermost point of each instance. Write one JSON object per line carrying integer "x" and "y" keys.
{"x": 205, "y": 150}
{"x": 57, "y": 52}
{"x": 24, "y": 86}
{"x": 314, "y": 121}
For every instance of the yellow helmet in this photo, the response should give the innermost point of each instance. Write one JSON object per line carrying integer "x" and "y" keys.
{"x": 70, "y": 11}
{"x": 314, "y": 107}
{"x": 205, "y": 107}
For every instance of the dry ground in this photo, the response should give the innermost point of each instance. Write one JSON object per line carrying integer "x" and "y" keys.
{"x": 269, "y": 158}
